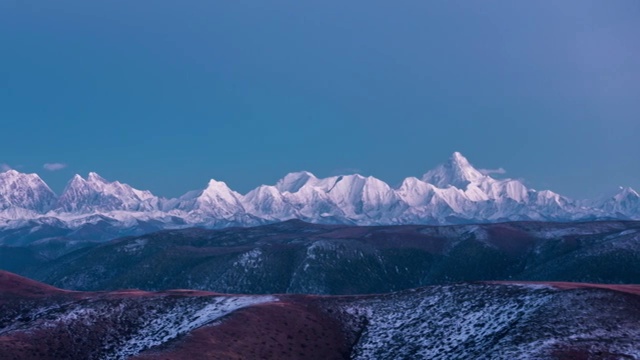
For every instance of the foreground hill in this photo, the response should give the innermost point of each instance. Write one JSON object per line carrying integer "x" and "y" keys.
{"x": 296, "y": 257}
{"x": 479, "y": 321}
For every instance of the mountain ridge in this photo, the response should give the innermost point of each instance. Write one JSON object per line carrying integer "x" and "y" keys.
{"x": 298, "y": 257}
{"x": 453, "y": 192}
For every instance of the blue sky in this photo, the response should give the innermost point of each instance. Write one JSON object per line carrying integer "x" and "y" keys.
{"x": 165, "y": 95}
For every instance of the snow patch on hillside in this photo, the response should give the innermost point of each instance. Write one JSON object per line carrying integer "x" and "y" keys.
{"x": 164, "y": 327}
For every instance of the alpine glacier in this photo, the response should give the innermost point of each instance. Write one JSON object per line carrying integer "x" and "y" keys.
{"x": 454, "y": 192}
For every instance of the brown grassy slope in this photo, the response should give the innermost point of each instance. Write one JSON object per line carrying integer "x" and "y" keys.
{"x": 268, "y": 331}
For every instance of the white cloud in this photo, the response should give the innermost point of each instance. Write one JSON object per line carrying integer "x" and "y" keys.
{"x": 54, "y": 166}
{"x": 5, "y": 167}
{"x": 492, "y": 171}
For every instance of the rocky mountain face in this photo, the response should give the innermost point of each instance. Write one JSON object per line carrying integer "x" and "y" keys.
{"x": 24, "y": 195}
{"x": 462, "y": 321}
{"x": 96, "y": 195}
{"x": 452, "y": 193}
{"x": 625, "y": 203}
{"x": 298, "y": 257}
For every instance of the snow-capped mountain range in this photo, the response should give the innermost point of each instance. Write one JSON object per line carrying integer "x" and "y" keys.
{"x": 454, "y": 192}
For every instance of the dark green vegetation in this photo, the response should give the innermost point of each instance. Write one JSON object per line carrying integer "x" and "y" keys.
{"x": 296, "y": 257}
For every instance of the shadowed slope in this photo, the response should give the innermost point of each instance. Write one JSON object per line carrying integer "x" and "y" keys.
{"x": 296, "y": 257}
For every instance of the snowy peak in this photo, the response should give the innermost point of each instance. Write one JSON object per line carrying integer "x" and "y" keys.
{"x": 415, "y": 192}
{"x": 457, "y": 172}
{"x": 292, "y": 182}
{"x": 96, "y": 179}
{"x": 217, "y": 200}
{"x": 355, "y": 189}
{"x": 95, "y": 194}
{"x": 24, "y": 191}
{"x": 349, "y": 197}
{"x": 505, "y": 189}
{"x": 459, "y": 159}
{"x": 218, "y": 191}
{"x": 74, "y": 194}
{"x": 76, "y": 179}
{"x": 626, "y": 193}
{"x": 625, "y": 203}
{"x": 268, "y": 202}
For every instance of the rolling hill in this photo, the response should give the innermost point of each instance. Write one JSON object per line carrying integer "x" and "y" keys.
{"x": 297, "y": 257}
{"x": 480, "y": 321}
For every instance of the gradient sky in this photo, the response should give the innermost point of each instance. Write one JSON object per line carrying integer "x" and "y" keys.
{"x": 165, "y": 95}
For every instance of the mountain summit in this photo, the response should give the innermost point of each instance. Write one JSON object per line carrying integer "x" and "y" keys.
{"x": 457, "y": 172}
{"x": 24, "y": 193}
{"x": 95, "y": 194}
